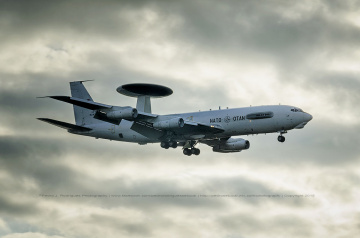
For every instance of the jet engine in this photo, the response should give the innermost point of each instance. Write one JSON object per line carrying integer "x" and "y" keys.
{"x": 127, "y": 113}
{"x": 170, "y": 124}
{"x": 232, "y": 145}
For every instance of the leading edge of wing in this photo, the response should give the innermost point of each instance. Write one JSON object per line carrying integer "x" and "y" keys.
{"x": 196, "y": 128}
{"x": 203, "y": 128}
{"x": 190, "y": 128}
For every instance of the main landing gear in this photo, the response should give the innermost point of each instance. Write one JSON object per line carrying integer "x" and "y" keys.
{"x": 167, "y": 145}
{"x": 281, "y": 138}
{"x": 192, "y": 150}
{"x": 188, "y": 149}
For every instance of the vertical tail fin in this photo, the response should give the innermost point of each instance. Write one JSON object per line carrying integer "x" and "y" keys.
{"x": 83, "y": 116}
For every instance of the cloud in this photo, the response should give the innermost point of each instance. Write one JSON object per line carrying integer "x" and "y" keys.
{"x": 31, "y": 235}
{"x": 229, "y": 53}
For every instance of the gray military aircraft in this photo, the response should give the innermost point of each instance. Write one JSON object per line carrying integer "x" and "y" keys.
{"x": 214, "y": 128}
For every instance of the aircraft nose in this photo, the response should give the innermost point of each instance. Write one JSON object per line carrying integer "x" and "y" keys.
{"x": 308, "y": 117}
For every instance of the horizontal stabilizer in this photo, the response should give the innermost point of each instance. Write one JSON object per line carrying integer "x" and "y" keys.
{"x": 65, "y": 125}
{"x": 81, "y": 102}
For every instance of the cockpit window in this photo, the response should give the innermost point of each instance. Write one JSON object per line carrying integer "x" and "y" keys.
{"x": 296, "y": 110}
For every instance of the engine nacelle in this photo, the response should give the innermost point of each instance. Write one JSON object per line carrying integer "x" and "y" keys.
{"x": 170, "y": 124}
{"x": 232, "y": 145}
{"x": 127, "y": 113}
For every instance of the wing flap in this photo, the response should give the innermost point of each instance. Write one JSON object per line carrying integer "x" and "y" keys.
{"x": 196, "y": 128}
{"x": 146, "y": 130}
{"x": 65, "y": 125}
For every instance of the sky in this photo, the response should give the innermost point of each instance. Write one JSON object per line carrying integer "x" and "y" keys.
{"x": 231, "y": 53}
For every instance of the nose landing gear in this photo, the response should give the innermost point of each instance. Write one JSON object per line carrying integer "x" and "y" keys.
{"x": 281, "y": 138}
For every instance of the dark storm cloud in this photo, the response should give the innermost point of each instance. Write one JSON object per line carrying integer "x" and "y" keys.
{"x": 227, "y": 25}
{"x": 39, "y": 160}
{"x": 342, "y": 86}
{"x": 85, "y": 17}
{"x": 331, "y": 145}
{"x": 21, "y": 208}
{"x": 23, "y": 159}
{"x": 26, "y": 158}
{"x": 237, "y": 28}
{"x": 129, "y": 228}
{"x": 342, "y": 6}
{"x": 34, "y": 164}
{"x": 19, "y": 92}
{"x": 328, "y": 146}
{"x": 260, "y": 31}
{"x": 20, "y": 105}
{"x": 35, "y": 159}
{"x": 15, "y": 149}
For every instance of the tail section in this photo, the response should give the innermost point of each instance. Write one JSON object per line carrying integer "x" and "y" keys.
{"x": 83, "y": 116}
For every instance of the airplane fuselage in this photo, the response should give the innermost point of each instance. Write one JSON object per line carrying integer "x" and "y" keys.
{"x": 234, "y": 122}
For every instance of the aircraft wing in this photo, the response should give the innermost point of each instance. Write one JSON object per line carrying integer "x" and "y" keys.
{"x": 147, "y": 130}
{"x": 65, "y": 125}
{"x": 190, "y": 129}
{"x": 196, "y": 128}
{"x": 145, "y": 115}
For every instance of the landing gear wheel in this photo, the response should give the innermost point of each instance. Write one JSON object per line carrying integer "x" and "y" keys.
{"x": 281, "y": 139}
{"x": 173, "y": 144}
{"x": 164, "y": 145}
{"x": 192, "y": 151}
{"x": 189, "y": 148}
{"x": 187, "y": 152}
